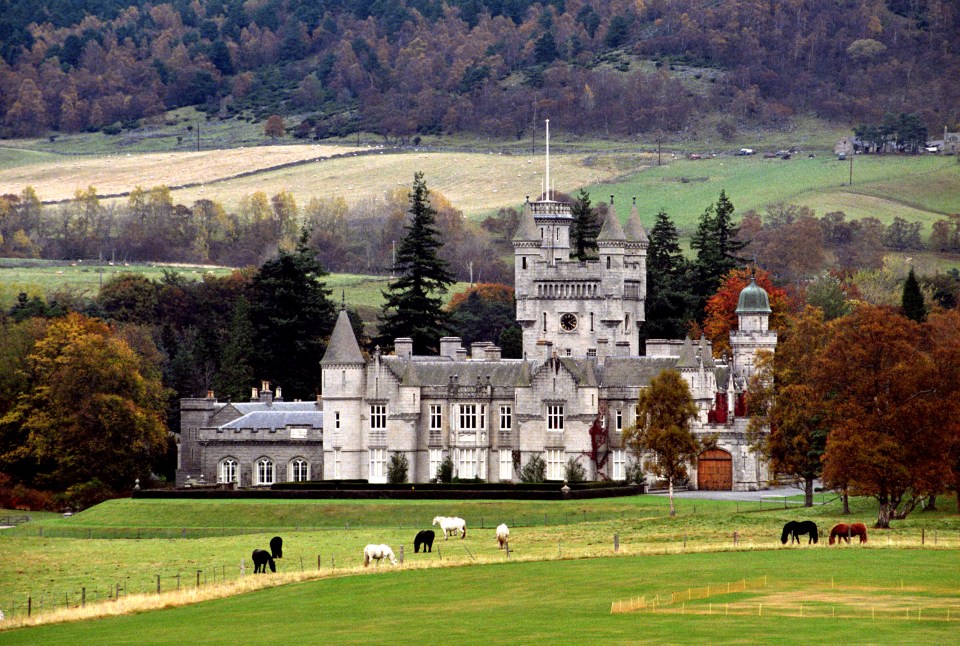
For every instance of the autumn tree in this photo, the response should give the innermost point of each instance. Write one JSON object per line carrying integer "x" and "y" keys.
{"x": 413, "y": 305}
{"x": 482, "y": 312}
{"x": 92, "y": 415}
{"x": 274, "y": 126}
{"x": 721, "y": 308}
{"x": 662, "y": 433}
{"x": 889, "y": 410}
{"x": 788, "y": 424}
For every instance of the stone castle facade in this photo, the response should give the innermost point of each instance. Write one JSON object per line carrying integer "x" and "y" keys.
{"x": 569, "y": 398}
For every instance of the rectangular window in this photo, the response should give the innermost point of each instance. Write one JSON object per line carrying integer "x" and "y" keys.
{"x": 467, "y": 466}
{"x": 378, "y": 417}
{"x": 337, "y": 465}
{"x": 473, "y": 417}
{"x": 436, "y": 417}
{"x": 436, "y": 459}
{"x": 619, "y": 425}
{"x": 555, "y": 417}
{"x": 554, "y": 464}
{"x": 619, "y": 465}
{"x": 506, "y": 418}
{"x": 524, "y": 262}
{"x": 378, "y": 465}
{"x": 506, "y": 465}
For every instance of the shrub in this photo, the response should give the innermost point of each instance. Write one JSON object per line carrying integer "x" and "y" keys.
{"x": 87, "y": 494}
{"x": 112, "y": 129}
{"x": 397, "y": 469}
{"x": 574, "y": 471}
{"x": 445, "y": 470}
{"x": 535, "y": 470}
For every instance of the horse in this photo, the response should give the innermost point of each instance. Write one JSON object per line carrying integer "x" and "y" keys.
{"x": 262, "y": 558}
{"x": 503, "y": 534}
{"x": 844, "y": 531}
{"x": 377, "y": 553}
{"x": 451, "y": 525}
{"x": 276, "y": 547}
{"x": 794, "y": 528}
{"x": 424, "y": 538}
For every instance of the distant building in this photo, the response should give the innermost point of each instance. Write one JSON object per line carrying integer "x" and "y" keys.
{"x": 570, "y": 397}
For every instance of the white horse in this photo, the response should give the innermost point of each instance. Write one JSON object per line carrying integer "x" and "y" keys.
{"x": 377, "y": 553}
{"x": 451, "y": 525}
{"x": 503, "y": 535}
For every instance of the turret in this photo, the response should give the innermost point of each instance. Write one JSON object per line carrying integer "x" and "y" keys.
{"x": 754, "y": 333}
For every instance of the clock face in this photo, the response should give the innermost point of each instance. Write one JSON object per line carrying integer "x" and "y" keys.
{"x": 568, "y": 321}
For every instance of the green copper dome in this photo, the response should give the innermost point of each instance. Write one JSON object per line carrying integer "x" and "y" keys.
{"x": 753, "y": 299}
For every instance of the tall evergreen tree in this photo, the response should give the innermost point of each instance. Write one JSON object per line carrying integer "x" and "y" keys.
{"x": 236, "y": 374}
{"x": 914, "y": 307}
{"x": 585, "y": 227}
{"x": 717, "y": 244}
{"x": 669, "y": 301}
{"x": 414, "y": 308}
{"x": 292, "y": 314}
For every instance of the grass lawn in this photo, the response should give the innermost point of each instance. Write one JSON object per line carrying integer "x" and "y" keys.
{"x": 565, "y": 601}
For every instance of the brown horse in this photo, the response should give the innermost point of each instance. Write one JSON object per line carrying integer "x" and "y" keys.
{"x": 844, "y": 531}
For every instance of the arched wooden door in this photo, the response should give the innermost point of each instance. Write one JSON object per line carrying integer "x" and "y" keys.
{"x": 715, "y": 471}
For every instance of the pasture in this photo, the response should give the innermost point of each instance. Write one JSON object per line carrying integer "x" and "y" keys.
{"x": 136, "y": 545}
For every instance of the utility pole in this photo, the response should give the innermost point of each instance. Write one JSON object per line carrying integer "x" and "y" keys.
{"x": 198, "y": 136}
{"x": 851, "y": 168}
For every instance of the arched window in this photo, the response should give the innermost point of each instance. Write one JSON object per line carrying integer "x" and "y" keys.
{"x": 299, "y": 470}
{"x": 264, "y": 472}
{"x": 228, "y": 470}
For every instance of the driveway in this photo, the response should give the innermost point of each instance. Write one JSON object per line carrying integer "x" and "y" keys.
{"x": 774, "y": 494}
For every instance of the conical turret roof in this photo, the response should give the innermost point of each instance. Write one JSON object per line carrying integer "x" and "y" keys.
{"x": 611, "y": 231}
{"x": 343, "y": 347}
{"x": 527, "y": 230}
{"x": 634, "y": 228}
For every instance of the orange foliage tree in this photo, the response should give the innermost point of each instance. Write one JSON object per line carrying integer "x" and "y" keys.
{"x": 721, "y": 308}
{"x": 891, "y": 411}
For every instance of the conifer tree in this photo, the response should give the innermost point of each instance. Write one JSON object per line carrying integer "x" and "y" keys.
{"x": 669, "y": 298}
{"x": 914, "y": 307}
{"x": 585, "y": 227}
{"x": 236, "y": 375}
{"x": 414, "y": 308}
{"x": 717, "y": 245}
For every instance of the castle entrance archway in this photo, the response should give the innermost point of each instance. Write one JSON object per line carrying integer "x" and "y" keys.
{"x": 715, "y": 471}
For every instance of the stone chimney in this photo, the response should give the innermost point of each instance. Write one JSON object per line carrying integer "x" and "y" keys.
{"x": 493, "y": 353}
{"x": 277, "y": 396}
{"x": 266, "y": 396}
{"x": 449, "y": 345}
{"x": 461, "y": 354}
{"x": 544, "y": 349}
{"x": 623, "y": 349}
{"x": 254, "y": 394}
{"x": 478, "y": 349}
{"x": 403, "y": 347}
{"x": 210, "y": 395}
{"x": 602, "y": 350}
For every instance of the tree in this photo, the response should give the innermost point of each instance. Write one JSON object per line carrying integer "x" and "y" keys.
{"x": 274, "y": 126}
{"x": 93, "y": 409}
{"x": 716, "y": 244}
{"x": 236, "y": 372}
{"x": 413, "y": 306}
{"x": 445, "y": 470}
{"x": 482, "y": 312}
{"x": 826, "y": 292}
{"x": 129, "y": 298}
{"x": 913, "y": 306}
{"x": 890, "y": 411}
{"x": 665, "y": 411}
{"x": 585, "y": 227}
{"x": 535, "y": 470}
{"x": 787, "y": 423}
{"x": 721, "y": 316}
{"x": 669, "y": 301}
{"x": 292, "y": 314}
{"x": 574, "y": 471}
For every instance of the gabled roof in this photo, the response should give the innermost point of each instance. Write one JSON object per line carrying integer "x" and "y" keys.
{"x": 410, "y": 376}
{"x": 633, "y": 372}
{"x": 343, "y": 347}
{"x": 688, "y": 355}
{"x": 436, "y": 371}
{"x": 277, "y": 419}
{"x": 611, "y": 229}
{"x": 283, "y": 407}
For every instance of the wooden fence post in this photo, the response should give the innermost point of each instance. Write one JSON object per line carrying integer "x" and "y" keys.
{"x": 401, "y": 555}
{"x": 83, "y": 597}
{"x": 158, "y": 584}
{"x": 616, "y": 542}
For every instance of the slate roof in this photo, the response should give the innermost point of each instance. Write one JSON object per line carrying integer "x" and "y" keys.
{"x": 611, "y": 229}
{"x": 633, "y": 372}
{"x": 527, "y": 230}
{"x": 343, "y": 347}
{"x": 634, "y": 227}
{"x": 277, "y": 419}
{"x": 284, "y": 407}
{"x": 436, "y": 371}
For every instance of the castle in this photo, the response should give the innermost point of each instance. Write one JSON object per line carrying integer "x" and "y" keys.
{"x": 570, "y": 397}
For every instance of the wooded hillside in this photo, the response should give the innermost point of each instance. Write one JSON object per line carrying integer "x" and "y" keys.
{"x": 403, "y": 67}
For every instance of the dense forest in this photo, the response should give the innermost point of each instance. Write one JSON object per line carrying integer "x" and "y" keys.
{"x": 402, "y": 67}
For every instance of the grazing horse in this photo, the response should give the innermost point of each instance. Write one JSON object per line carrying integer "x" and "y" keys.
{"x": 503, "y": 535}
{"x": 424, "y": 538}
{"x": 844, "y": 531}
{"x": 451, "y": 525}
{"x": 262, "y": 558}
{"x": 377, "y": 553}
{"x": 794, "y": 528}
{"x": 276, "y": 547}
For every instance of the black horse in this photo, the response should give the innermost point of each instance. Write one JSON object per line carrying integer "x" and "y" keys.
{"x": 794, "y": 528}
{"x": 262, "y": 558}
{"x": 276, "y": 547}
{"x": 424, "y": 538}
